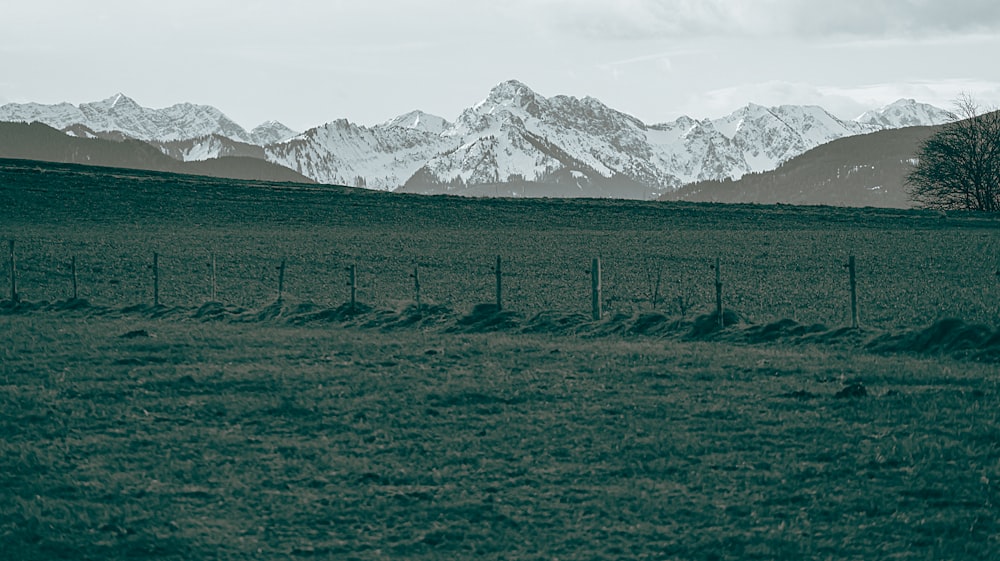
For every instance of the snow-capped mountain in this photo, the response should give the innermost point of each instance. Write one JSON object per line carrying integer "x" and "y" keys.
{"x": 382, "y": 157}
{"x": 559, "y": 146}
{"x": 59, "y": 116}
{"x": 207, "y": 148}
{"x": 122, "y": 114}
{"x": 271, "y": 132}
{"x": 420, "y": 121}
{"x": 907, "y": 113}
{"x": 517, "y": 135}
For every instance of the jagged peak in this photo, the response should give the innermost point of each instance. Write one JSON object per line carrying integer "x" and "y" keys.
{"x": 272, "y": 124}
{"x": 118, "y": 100}
{"x": 512, "y": 86}
{"x": 419, "y": 120}
{"x": 510, "y": 92}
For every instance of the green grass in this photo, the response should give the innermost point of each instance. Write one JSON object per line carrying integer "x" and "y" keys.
{"x": 778, "y": 262}
{"x": 251, "y": 430}
{"x": 268, "y": 441}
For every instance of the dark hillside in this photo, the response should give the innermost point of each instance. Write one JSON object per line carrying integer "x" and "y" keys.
{"x": 779, "y": 261}
{"x": 865, "y": 170}
{"x": 36, "y": 141}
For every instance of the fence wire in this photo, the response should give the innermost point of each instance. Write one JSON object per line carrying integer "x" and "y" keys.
{"x": 762, "y": 283}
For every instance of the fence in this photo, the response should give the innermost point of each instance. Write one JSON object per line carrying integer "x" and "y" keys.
{"x": 616, "y": 286}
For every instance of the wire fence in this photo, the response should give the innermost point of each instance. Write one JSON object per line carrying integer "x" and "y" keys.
{"x": 828, "y": 289}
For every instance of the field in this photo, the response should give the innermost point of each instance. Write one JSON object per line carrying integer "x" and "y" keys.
{"x": 258, "y": 428}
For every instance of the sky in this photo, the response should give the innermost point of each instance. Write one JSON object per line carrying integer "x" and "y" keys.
{"x": 309, "y": 62}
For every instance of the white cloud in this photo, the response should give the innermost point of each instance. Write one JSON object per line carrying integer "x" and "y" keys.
{"x": 844, "y": 102}
{"x": 647, "y": 19}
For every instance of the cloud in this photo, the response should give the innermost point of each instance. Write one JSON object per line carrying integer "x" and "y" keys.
{"x": 652, "y": 19}
{"x": 844, "y": 102}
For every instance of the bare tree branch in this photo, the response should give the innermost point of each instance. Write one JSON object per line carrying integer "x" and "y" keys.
{"x": 959, "y": 167}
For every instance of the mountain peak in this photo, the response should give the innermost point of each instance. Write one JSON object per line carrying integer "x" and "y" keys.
{"x": 906, "y": 113}
{"x": 515, "y": 87}
{"x": 419, "y": 120}
{"x": 511, "y": 92}
{"x": 510, "y": 97}
{"x": 117, "y": 101}
{"x": 271, "y": 132}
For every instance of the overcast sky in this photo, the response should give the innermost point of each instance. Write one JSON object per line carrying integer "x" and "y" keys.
{"x": 308, "y": 62}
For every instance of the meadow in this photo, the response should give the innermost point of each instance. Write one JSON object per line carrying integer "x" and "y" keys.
{"x": 257, "y": 428}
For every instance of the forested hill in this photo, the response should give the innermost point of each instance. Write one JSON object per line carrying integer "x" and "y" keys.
{"x": 36, "y": 141}
{"x": 865, "y": 170}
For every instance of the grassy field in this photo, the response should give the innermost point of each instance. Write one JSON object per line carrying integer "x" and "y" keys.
{"x": 255, "y": 429}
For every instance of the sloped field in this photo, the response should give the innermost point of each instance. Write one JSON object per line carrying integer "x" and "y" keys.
{"x": 252, "y": 427}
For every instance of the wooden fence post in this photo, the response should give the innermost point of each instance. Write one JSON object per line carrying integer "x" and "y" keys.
{"x": 281, "y": 280}
{"x": 855, "y": 323}
{"x": 656, "y": 288}
{"x": 353, "y": 271}
{"x": 214, "y": 285}
{"x": 499, "y": 273}
{"x": 416, "y": 285}
{"x": 13, "y": 274}
{"x": 73, "y": 272}
{"x": 718, "y": 293}
{"x": 596, "y": 288}
{"x": 156, "y": 279}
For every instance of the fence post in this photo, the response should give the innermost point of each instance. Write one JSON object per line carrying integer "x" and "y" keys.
{"x": 656, "y": 289}
{"x": 281, "y": 280}
{"x": 353, "y": 270}
{"x": 13, "y": 274}
{"x": 156, "y": 279}
{"x": 718, "y": 293}
{"x": 214, "y": 285}
{"x": 499, "y": 272}
{"x": 595, "y": 288}
{"x": 73, "y": 271}
{"x": 855, "y": 323}
{"x": 416, "y": 285}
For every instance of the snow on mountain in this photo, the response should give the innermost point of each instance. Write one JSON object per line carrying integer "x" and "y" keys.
{"x": 177, "y": 122}
{"x": 767, "y": 137}
{"x": 382, "y": 157}
{"x": 517, "y": 135}
{"x": 907, "y": 113}
{"x": 574, "y": 134}
{"x": 122, "y": 114}
{"x": 271, "y": 132}
{"x": 208, "y": 148}
{"x": 57, "y": 116}
{"x": 420, "y": 121}
{"x": 513, "y": 136}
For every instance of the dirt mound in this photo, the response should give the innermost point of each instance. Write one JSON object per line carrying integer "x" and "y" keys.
{"x": 486, "y": 318}
{"x": 651, "y": 323}
{"x": 217, "y": 311}
{"x": 708, "y": 324}
{"x": 343, "y": 313}
{"x": 412, "y": 316}
{"x": 554, "y": 323}
{"x": 20, "y": 306}
{"x": 158, "y": 311}
{"x": 71, "y": 305}
{"x": 946, "y": 336}
{"x": 855, "y": 390}
{"x": 135, "y": 334}
{"x": 782, "y": 329}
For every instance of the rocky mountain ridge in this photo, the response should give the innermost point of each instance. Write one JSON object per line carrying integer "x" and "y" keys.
{"x": 514, "y": 142}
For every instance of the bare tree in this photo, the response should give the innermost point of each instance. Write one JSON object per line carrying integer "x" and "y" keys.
{"x": 959, "y": 167}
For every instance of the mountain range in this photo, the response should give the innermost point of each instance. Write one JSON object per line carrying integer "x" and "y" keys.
{"x": 514, "y": 142}
{"x": 38, "y": 141}
{"x": 862, "y": 170}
